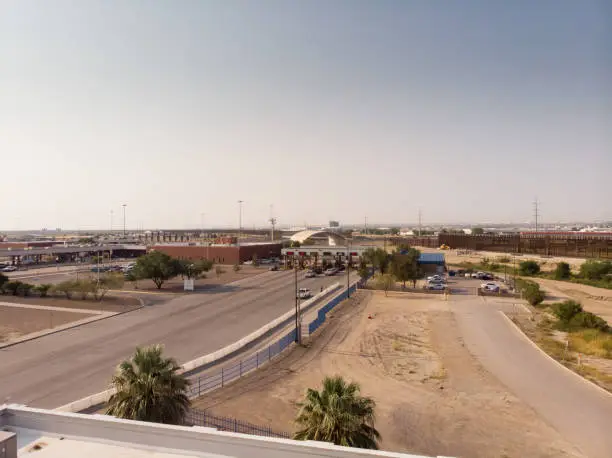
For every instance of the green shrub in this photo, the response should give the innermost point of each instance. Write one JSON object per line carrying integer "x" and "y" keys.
{"x": 504, "y": 259}
{"x": 12, "y": 287}
{"x": 566, "y": 310}
{"x": 563, "y": 271}
{"x": 595, "y": 270}
{"x": 24, "y": 289}
{"x": 529, "y": 268}
{"x": 43, "y": 289}
{"x": 3, "y": 279}
{"x": 533, "y": 294}
{"x": 588, "y": 320}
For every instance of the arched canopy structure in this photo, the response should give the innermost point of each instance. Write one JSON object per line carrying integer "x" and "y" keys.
{"x": 334, "y": 238}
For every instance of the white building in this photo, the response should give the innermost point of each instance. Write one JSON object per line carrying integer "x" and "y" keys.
{"x": 38, "y": 433}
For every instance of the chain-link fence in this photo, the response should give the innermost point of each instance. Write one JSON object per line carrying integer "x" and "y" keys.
{"x": 197, "y": 417}
{"x": 223, "y": 376}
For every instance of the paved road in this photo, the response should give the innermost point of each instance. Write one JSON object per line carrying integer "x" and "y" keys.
{"x": 63, "y": 367}
{"x": 578, "y": 411}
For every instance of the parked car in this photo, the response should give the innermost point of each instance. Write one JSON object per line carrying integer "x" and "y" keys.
{"x": 310, "y": 274}
{"x": 436, "y": 286}
{"x": 100, "y": 269}
{"x": 434, "y": 277}
{"x": 304, "y": 293}
{"x": 490, "y": 286}
{"x": 331, "y": 271}
{"x": 9, "y": 269}
{"x": 273, "y": 267}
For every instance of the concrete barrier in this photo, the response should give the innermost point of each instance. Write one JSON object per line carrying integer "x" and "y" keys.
{"x": 104, "y": 396}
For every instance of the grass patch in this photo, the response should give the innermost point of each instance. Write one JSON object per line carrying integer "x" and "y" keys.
{"x": 594, "y": 374}
{"x": 591, "y": 342}
{"x": 555, "y": 349}
{"x": 397, "y": 346}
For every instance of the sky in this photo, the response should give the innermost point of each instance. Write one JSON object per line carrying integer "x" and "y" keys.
{"x": 325, "y": 109}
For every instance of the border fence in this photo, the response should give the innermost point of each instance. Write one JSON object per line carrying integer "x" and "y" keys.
{"x": 197, "y": 417}
{"x": 225, "y": 375}
{"x": 323, "y": 311}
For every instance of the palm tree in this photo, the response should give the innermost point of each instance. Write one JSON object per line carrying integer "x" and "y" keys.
{"x": 148, "y": 388}
{"x": 338, "y": 414}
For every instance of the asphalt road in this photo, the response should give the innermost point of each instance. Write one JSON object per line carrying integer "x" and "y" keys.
{"x": 59, "y": 368}
{"x": 579, "y": 411}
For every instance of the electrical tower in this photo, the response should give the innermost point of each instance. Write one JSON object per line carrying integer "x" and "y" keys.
{"x": 272, "y": 220}
{"x": 536, "y": 212}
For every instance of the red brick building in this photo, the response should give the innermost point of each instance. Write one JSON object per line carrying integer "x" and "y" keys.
{"x": 221, "y": 254}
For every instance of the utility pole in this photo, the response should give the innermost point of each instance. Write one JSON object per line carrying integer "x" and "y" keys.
{"x": 420, "y": 231}
{"x": 297, "y": 302}
{"x": 536, "y": 212}
{"x": 202, "y": 221}
{"x": 365, "y": 226}
{"x": 272, "y": 220}
{"x": 239, "y": 221}
{"x": 124, "y": 205}
{"x": 111, "y": 221}
{"x": 348, "y": 268}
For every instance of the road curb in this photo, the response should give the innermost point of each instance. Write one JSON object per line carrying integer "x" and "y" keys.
{"x": 69, "y": 326}
{"x": 532, "y": 343}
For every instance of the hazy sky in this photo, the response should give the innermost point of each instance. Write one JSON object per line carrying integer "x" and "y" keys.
{"x": 327, "y": 109}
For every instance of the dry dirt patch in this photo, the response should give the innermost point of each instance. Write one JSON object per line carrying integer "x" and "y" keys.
{"x": 15, "y": 322}
{"x": 405, "y": 351}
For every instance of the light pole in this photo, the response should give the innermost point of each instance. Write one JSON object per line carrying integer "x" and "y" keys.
{"x": 124, "y": 205}
{"x": 297, "y": 302}
{"x": 348, "y": 267}
{"x": 239, "y": 220}
{"x": 111, "y": 222}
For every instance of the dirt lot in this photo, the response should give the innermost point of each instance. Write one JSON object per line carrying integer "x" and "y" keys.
{"x": 595, "y": 300}
{"x": 454, "y": 257}
{"x": 114, "y": 304}
{"x": 175, "y": 285}
{"x": 432, "y": 396}
{"x": 15, "y": 322}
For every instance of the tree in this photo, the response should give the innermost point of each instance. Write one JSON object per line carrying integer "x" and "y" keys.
{"x": 477, "y": 231}
{"x": 405, "y": 267}
{"x": 148, "y": 387}
{"x": 385, "y": 282}
{"x": 533, "y": 294}
{"x": 67, "y": 287}
{"x": 378, "y": 257}
{"x": 338, "y": 414}
{"x": 529, "y": 268}
{"x": 394, "y": 231}
{"x": 158, "y": 267}
{"x": 563, "y": 271}
{"x": 363, "y": 271}
{"x": 193, "y": 269}
{"x": 295, "y": 244}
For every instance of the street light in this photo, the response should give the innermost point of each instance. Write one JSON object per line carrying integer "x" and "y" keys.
{"x": 348, "y": 267}
{"x": 124, "y": 205}
{"x": 297, "y": 302}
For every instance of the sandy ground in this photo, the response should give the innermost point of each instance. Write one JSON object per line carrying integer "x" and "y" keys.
{"x": 432, "y": 396}
{"x": 15, "y": 322}
{"x": 107, "y": 304}
{"x": 595, "y": 300}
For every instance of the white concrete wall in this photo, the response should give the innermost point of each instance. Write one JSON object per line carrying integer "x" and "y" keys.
{"x": 154, "y": 436}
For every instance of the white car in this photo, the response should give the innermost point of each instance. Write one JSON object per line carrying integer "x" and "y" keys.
{"x": 436, "y": 286}
{"x": 311, "y": 274}
{"x": 304, "y": 293}
{"x": 490, "y": 286}
{"x": 435, "y": 278}
{"x": 9, "y": 269}
{"x": 331, "y": 271}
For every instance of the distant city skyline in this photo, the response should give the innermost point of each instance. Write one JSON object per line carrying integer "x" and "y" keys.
{"x": 327, "y": 110}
